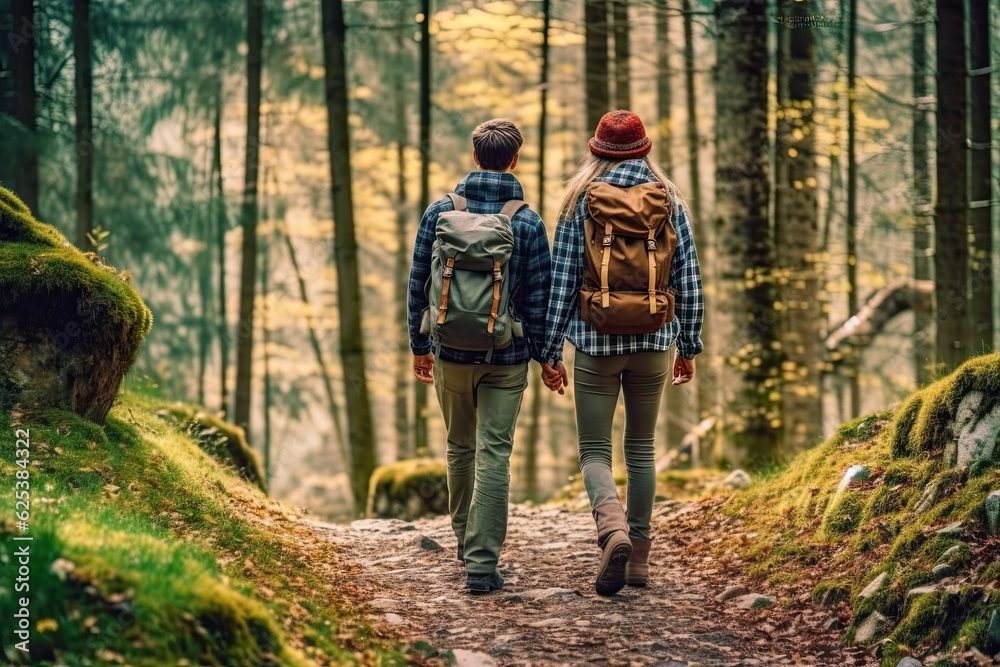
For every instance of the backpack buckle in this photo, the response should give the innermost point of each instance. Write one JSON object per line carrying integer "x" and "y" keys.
{"x": 497, "y": 276}
{"x": 449, "y": 271}
{"x": 651, "y": 245}
{"x": 608, "y": 240}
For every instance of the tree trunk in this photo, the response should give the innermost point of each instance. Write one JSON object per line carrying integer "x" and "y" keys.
{"x": 537, "y": 395}
{"x": 670, "y": 431}
{"x": 664, "y": 94}
{"x": 705, "y": 384}
{"x": 981, "y": 174}
{"x": 207, "y": 312}
{"x": 84, "y": 149}
{"x": 796, "y": 215}
{"x": 623, "y": 78}
{"x": 403, "y": 377}
{"x": 863, "y": 326}
{"x": 265, "y": 335}
{"x": 420, "y": 441}
{"x": 595, "y": 25}
{"x": 852, "y": 368}
{"x": 248, "y": 275}
{"x": 951, "y": 255}
{"x": 18, "y": 100}
{"x": 751, "y": 418}
{"x": 221, "y": 226}
{"x": 923, "y": 350}
{"x": 352, "y": 350}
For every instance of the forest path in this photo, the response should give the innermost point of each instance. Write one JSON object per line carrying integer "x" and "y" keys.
{"x": 548, "y": 612}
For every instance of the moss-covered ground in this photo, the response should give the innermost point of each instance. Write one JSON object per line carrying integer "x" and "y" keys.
{"x": 800, "y": 529}
{"x": 147, "y": 552}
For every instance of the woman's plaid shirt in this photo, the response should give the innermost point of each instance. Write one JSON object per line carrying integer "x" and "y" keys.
{"x": 563, "y": 317}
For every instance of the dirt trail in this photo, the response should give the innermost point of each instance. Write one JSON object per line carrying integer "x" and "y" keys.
{"x": 548, "y": 613}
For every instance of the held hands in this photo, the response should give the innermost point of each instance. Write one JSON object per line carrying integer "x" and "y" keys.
{"x": 555, "y": 377}
{"x": 683, "y": 370}
{"x": 423, "y": 368}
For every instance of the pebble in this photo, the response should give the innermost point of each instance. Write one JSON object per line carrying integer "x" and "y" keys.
{"x": 833, "y": 624}
{"x": 754, "y": 601}
{"x": 993, "y": 512}
{"x": 548, "y": 623}
{"x": 870, "y": 627}
{"x": 943, "y": 570}
{"x": 873, "y": 587}
{"x": 732, "y": 592}
{"x": 394, "y": 619}
{"x": 548, "y": 593}
{"x": 994, "y": 629}
{"x": 466, "y": 658}
{"x": 954, "y": 528}
{"x": 952, "y": 551}
{"x": 427, "y": 544}
{"x": 909, "y": 662}
{"x": 554, "y": 546}
{"x": 737, "y": 479}
{"x": 854, "y": 474}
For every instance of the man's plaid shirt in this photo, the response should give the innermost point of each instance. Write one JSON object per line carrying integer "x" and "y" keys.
{"x": 530, "y": 269}
{"x": 567, "y": 279}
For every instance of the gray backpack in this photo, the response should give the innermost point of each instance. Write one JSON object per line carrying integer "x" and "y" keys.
{"x": 469, "y": 289}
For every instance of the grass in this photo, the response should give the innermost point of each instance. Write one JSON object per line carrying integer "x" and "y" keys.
{"x": 145, "y": 551}
{"x": 840, "y": 540}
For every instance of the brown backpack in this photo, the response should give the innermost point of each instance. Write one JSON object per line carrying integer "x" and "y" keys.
{"x": 628, "y": 247}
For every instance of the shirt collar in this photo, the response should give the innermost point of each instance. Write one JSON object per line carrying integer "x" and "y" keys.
{"x": 490, "y": 186}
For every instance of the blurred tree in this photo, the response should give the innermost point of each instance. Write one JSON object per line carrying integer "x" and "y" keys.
{"x": 623, "y": 74}
{"x": 664, "y": 96}
{"x": 851, "y": 231}
{"x": 923, "y": 211}
{"x": 84, "y": 148}
{"x": 746, "y": 318}
{"x": 981, "y": 174}
{"x": 598, "y": 100}
{"x": 951, "y": 243}
{"x": 364, "y": 451}
{"x": 18, "y": 125}
{"x": 796, "y": 222}
{"x": 420, "y": 442}
{"x": 218, "y": 211}
{"x": 404, "y": 450}
{"x": 248, "y": 221}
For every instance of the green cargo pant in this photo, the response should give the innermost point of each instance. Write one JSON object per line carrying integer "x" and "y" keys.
{"x": 598, "y": 381}
{"x": 480, "y": 403}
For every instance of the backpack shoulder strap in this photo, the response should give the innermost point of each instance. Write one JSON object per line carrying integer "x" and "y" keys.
{"x": 458, "y": 201}
{"x": 512, "y": 207}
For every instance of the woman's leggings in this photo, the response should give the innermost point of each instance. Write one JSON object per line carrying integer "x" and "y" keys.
{"x": 597, "y": 383}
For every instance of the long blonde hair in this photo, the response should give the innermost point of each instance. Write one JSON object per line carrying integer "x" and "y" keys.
{"x": 590, "y": 168}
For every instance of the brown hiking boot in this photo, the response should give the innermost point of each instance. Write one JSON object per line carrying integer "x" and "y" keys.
{"x": 637, "y": 568}
{"x": 614, "y": 557}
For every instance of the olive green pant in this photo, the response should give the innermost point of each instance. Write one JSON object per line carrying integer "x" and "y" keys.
{"x": 598, "y": 381}
{"x": 480, "y": 403}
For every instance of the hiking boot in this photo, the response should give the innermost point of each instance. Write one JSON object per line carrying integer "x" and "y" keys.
{"x": 637, "y": 568}
{"x": 480, "y": 584}
{"x": 615, "y": 553}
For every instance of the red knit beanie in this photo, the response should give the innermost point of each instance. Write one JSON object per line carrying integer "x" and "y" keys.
{"x": 620, "y": 136}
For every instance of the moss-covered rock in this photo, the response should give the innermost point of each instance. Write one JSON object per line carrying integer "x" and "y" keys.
{"x": 225, "y": 442}
{"x": 409, "y": 489}
{"x": 923, "y": 505}
{"x": 70, "y": 326}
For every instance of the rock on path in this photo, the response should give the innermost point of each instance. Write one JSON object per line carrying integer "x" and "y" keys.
{"x": 548, "y": 613}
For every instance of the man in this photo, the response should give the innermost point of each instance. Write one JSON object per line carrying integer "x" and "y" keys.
{"x": 480, "y": 391}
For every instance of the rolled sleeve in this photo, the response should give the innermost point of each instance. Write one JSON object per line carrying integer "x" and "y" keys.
{"x": 685, "y": 278}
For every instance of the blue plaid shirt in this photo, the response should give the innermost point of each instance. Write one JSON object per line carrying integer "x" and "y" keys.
{"x": 567, "y": 278}
{"x": 530, "y": 269}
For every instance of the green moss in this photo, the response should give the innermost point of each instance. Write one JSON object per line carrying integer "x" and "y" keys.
{"x": 845, "y": 513}
{"x": 409, "y": 489}
{"x": 225, "y": 442}
{"x": 17, "y": 225}
{"x": 172, "y": 558}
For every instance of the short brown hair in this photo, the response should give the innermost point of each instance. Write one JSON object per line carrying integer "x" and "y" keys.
{"x": 496, "y": 142}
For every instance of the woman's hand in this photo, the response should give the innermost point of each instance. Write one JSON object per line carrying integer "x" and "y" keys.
{"x": 555, "y": 377}
{"x": 683, "y": 370}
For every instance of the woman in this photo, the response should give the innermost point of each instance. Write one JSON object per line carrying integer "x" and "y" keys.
{"x": 622, "y": 317}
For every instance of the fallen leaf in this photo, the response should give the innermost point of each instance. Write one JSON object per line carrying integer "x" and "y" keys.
{"x": 211, "y": 519}
{"x": 111, "y": 488}
{"x": 47, "y": 625}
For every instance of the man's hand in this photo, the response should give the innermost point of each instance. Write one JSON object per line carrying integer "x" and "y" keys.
{"x": 683, "y": 370}
{"x": 555, "y": 377}
{"x": 423, "y": 367}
